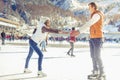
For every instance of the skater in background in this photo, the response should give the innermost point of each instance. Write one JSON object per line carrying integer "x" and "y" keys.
{"x": 72, "y": 40}
{"x": 38, "y": 36}
{"x": 3, "y": 36}
{"x": 43, "y": 45}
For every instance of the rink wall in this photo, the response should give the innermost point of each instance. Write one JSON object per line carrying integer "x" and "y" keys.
{"x": 63, "y": 44}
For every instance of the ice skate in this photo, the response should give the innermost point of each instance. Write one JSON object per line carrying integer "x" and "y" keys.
{"x": 41, "y": 74}
{"x": 101, "y": 77}
{"x": 72, "y": 55}
{"x": 97, "y": 77}
{"x": 68, "y": 53}
{"x": 45, "y": 50}
{"x": 94, "y": 75}
{"x": 26, "y": 70}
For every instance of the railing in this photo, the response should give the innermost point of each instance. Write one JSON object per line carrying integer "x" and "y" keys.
{"x": 6, "y": 22}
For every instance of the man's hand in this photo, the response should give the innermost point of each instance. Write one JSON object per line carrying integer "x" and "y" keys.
{"x": 63, "y": 32}
{"x": 75, "y": 33}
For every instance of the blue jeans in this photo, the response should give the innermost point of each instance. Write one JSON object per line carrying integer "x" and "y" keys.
{"x": 43, "y": 44}
{"x": 95, "y": 50}
{"x": 34, "y": 47}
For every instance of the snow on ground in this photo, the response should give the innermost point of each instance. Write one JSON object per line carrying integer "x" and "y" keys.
{"x": 56, "y": 64}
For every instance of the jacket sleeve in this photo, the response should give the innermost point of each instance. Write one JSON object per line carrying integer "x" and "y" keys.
{"x": 44, "y": 29}
{"x": 87, "y": 25}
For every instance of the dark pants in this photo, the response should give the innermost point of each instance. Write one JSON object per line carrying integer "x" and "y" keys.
{"x": 95, "y": 50}
{"x": 34, "y": 47}
{"x": 72, "y": 48}
{"x": 3, "y": 41}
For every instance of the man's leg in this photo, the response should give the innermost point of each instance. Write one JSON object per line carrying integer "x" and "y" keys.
{"x": 69, "y": 50}
{"x": 2, "y": 41}
{"x": 92, "y": 52}
{"x": 72, "y": 48}
{"x": 98, "y": 44}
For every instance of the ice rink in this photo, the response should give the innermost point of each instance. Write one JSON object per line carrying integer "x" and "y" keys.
{"x": 56, "y": 64}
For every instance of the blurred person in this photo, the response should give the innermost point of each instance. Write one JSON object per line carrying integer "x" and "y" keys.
{"x": 72, "y": 41}
{"x": 3, "y": 36}
{"x": 43, "y": 45}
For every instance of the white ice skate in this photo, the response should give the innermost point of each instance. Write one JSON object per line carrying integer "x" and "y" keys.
{"x": 26, "y": 70}
{"x": 41, "y": 74}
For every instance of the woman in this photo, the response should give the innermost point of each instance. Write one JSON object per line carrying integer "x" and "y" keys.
{"x": 38, "y": 36}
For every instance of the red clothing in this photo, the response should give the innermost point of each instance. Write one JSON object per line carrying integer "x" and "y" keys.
{"x": 72, "y": 38}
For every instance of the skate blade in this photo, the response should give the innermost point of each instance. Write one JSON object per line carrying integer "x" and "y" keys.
{"x": 96, "y": 78}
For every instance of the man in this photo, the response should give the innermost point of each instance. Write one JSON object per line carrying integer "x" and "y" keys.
{"x": 38, "y": 36}
{"x": 95, "y": 25}
{"x": 96, "y": 36}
